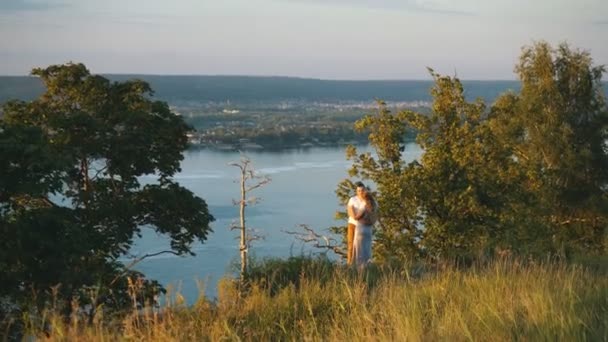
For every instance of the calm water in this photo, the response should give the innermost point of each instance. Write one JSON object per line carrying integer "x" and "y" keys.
{"x": 301, "y": 192}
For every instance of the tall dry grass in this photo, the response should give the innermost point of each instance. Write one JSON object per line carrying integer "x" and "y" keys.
{"x": 500, "y": 302}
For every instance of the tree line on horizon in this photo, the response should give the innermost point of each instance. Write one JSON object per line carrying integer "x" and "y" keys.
{"x": 527, "y": 174}
{"x": 259, "y": 90}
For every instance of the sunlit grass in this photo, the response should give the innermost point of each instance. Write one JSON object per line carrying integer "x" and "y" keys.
{"x": 500, "y": 302}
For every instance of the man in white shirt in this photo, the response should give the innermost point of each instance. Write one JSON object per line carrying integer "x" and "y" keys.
{"x": 354, "y": 208}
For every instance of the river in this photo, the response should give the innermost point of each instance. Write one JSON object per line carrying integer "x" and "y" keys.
{"x": 301, "y": 192}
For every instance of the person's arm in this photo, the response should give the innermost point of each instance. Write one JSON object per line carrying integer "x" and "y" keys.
{"x": 350, "y": 210}
{"x": 361, "y": 214}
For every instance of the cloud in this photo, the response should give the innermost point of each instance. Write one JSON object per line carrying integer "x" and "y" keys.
{"x": 25, "y": 5}
{"x": 428, "y": 6}
{"x": 601, "y": 22}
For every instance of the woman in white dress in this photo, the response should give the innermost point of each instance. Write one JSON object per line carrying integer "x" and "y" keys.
{"x": 362, "y": 242}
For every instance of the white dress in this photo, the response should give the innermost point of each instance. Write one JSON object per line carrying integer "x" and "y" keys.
{"x": 362, "y": 244}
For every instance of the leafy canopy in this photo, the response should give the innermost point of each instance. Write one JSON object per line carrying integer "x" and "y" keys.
{"x": 528, "y": 174}
{"x": 71, "y": 193}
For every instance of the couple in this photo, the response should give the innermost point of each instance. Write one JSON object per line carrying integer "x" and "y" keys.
{"x": 362, "y": 212}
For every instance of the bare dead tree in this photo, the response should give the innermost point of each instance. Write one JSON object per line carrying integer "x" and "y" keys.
{"x": 249, "y": 181}
{"x": 316, "y": 240}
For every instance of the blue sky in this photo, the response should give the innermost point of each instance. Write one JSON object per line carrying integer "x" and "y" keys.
{"x": 329, "y": 39}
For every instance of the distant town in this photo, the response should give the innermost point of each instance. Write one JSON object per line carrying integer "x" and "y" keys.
{"x": 287, "y": 124}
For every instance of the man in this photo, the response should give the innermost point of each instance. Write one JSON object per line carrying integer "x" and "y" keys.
{"x": 354, "y": 208}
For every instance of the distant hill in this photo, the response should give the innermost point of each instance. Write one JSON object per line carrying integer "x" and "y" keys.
{"x": 249, "y": 89}
{"x": 270, "y": 89}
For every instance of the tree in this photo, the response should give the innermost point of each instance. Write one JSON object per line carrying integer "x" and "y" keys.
{"x": 71, "y": 201}
{"x": 397, "y": 230}
{"x": 529, "y": 175}
{"x": 556, "y": 130}
{"x": 247, "y": 176}
{"x": 446, "y": 204}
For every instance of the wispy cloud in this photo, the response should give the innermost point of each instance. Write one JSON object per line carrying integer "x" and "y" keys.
{"x": 25, "y": 5}
{"x": 427, "y": 6}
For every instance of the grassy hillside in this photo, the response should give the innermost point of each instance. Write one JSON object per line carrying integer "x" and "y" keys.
{"x": 301, "y": 299}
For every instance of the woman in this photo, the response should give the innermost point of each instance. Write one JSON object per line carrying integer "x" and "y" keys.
{"x": 362, "y": 242}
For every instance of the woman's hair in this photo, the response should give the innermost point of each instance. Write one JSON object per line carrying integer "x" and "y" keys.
{"x": 369, "y": 198}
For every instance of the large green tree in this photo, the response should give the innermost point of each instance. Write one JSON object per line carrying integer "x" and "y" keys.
{"x": 71, "y": 201}
{"x": 399, "y": 230}
{"x": 555, "y": 129}
{"x": 448, "y": 202}
{"x": 529, "y": 174}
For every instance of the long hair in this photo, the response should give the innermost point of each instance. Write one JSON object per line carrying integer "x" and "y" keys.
{"x": 369, "y": 199}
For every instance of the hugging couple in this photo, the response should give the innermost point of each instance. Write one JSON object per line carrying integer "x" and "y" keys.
{"x": 362, "y": 214}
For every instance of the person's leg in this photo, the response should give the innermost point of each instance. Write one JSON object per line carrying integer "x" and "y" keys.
{"x": 350, "y": 236}
{"x": 367, "y": 245}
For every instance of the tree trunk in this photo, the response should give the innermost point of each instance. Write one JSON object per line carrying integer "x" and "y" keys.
{"x": 243, "y": 245}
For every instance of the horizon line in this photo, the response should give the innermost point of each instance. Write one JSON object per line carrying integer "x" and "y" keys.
{"x": 282, "y": 76}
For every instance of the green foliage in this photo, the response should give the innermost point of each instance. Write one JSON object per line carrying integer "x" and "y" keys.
{"x": 71, "y": 202}
{"x": 556, "y": 131}
{"x": 397, "y": 231}
{"x": 274, "y": 274}
{"x": 455, "y": 193}
{"x": 527, "y": 175}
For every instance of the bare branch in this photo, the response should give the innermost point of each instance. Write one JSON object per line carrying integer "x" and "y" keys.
{"x": 234, "y": 225}
{"x": 264, "y": 181}
{"x": 99, "y": 171}
{"x": 317, "y": 240}
{"x": 237, "y": 165}
{"x": 254, "y": 234}
{"x": 556, "y": 220}
{"x": 138, "y": 260}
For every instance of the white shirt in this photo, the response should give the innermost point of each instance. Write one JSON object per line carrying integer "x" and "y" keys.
{"x": 358, "y": 206}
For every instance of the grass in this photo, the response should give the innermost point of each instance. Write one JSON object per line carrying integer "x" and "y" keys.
{"x": 313, "y": 299}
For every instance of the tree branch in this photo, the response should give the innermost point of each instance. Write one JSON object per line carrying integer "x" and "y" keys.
{"x": 264, "y": 181}
{"x": 317, "y": 240}
{"x": 138, "y": 260}
{"x": 574, "y": 220}
{"x": 99, "y": 171}
{"x": 237, "y": 165}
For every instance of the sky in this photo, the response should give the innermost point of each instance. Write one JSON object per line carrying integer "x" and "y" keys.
{"x": 327, "y": 39}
